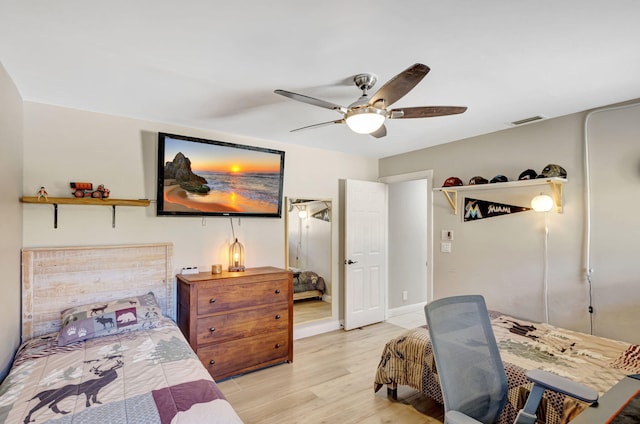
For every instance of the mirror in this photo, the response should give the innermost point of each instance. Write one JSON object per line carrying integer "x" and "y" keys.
{"x": 308, "y": 255}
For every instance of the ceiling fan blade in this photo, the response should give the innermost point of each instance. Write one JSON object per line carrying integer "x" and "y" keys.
{"x": 322, "y": 124}
{"x": 310, "y": 100}
{"x": 400, "y": 85}
{"x": 380, "y": 132}
{"x": 425, "y": 111}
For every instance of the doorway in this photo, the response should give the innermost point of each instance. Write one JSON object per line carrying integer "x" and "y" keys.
{"x": 407, "y": 243}
{"x": 410, "y": 244}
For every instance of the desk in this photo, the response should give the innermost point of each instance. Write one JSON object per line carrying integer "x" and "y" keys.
{"x": 609, "y": 403}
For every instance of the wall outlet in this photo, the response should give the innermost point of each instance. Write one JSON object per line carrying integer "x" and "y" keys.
{"x": 189, "y": 270}
{"x": 445, "y": 247}
{"x": 405, "y": 295}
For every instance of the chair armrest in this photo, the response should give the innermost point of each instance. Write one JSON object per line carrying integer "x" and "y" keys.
{"x": 562, "y": 385}
{"x": 457, "y": 417}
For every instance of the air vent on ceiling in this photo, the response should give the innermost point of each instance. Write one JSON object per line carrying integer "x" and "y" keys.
{"x": 528, "y": 120}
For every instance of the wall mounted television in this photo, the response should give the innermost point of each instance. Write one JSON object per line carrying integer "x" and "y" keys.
{"x": 198, "y": 177}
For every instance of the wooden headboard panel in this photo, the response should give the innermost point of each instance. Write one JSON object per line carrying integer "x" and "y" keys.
{"x": 57, "y": 278}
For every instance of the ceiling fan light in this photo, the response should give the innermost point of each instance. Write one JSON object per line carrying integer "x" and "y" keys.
{"x": 365, "y": 120}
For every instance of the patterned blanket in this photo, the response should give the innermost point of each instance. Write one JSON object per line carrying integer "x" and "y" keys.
{"x": 149, "y": 376}
{"x": 594, "y": 361}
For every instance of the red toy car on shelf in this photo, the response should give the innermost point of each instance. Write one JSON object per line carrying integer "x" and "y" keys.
{"x": 86, "y": 190}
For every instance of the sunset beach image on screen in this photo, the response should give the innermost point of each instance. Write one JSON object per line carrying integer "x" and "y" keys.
{"x": 207, "y": 177}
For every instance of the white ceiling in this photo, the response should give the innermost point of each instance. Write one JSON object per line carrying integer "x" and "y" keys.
{"x": 214, "y": 64}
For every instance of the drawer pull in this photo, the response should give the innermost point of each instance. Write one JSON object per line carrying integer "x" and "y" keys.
{"x": 278, "y": 345}
{"x": 212, "y": 329}
{"x": 278, "y": 316}
{"x": 212, "y": 362}
{"x": 277, "y": 291}
{"x": 212, "y": 300}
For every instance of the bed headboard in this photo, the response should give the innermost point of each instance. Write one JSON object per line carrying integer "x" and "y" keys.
{"x": 57, "y": 278}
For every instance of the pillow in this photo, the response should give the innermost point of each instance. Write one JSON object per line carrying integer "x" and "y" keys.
{"x": 106, "y": 318}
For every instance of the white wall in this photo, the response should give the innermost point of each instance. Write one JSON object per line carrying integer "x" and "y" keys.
{"x": 11, "y": 217}
{"x": 407, "y": 243}
{"x": 63, "y": 145}
{"x": 502, "y": 257}
{"x": 614, "y": 139}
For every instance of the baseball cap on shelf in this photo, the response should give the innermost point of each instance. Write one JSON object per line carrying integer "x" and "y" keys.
{"x": 452, "y": 182}
{"x": 499, "y": 179}
{"x": 529, "y": 174}
{"x": 553, "y": 170}
{"x": 478, "y": 180}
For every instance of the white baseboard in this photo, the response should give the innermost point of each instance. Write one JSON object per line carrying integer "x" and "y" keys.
{"x": 301, "y": 331}
{"x": 416, "y": 307}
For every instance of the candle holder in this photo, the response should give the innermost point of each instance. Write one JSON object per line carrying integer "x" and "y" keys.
{"x": 236, "y": 256}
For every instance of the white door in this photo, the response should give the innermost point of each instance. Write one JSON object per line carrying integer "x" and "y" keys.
{"x": 365, "y": 253}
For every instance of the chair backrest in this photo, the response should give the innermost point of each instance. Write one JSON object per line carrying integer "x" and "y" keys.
{"x": 468, "y": 362}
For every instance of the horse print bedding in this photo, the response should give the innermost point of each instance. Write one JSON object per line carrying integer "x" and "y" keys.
{"x": 146, "y": 376}
{"x": 594, "y": 361}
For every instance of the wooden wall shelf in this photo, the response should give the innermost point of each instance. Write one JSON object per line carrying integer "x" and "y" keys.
{"x": 55, "y": 201}
{"x": 554, "y": 183}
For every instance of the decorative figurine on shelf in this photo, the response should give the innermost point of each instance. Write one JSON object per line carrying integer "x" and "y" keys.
{"x": 86, "y": 190}
{"x": 101, "y": 192}
{"x": 42, "y": 193}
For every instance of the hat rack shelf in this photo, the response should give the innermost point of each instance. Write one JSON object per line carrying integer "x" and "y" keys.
{"x": 554, "y": 183}
{"x": 55, "y": 201}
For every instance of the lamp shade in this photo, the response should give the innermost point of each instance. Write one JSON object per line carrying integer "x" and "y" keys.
{"x": 365, "y": 120}
{"x": 236, "y": 256}
{"x": 542, "y": 203}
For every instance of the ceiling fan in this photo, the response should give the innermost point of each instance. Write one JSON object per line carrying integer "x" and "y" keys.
{"x": 367, "y": 114}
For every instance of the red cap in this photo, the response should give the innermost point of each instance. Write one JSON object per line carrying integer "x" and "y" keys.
{"x": 452, "y": 181}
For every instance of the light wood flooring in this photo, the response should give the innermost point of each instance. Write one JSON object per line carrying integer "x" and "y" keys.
{"x": 329, "y": 381}
{"x": 310, "y": 310}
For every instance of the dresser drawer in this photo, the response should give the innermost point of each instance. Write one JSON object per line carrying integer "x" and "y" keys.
{"x": 237, "y": 356}
{"x": 225, "y": 297}
{"x": 235, "y": 325}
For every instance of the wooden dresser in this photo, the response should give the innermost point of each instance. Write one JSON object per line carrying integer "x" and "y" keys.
{"x": 238, "y": 321}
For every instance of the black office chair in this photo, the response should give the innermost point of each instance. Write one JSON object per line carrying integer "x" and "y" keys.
{"x": 472, "y": 376}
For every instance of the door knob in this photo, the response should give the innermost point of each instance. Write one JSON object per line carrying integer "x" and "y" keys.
{"x": 349, "y": 262}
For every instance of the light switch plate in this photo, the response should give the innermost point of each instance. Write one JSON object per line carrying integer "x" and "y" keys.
{"x": 446, "y": 235}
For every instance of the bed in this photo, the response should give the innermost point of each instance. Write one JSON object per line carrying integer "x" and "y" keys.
{"x": 113, "y": 355}
{"x": 307, "y": 284}
{"x": 595, "y": 361}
